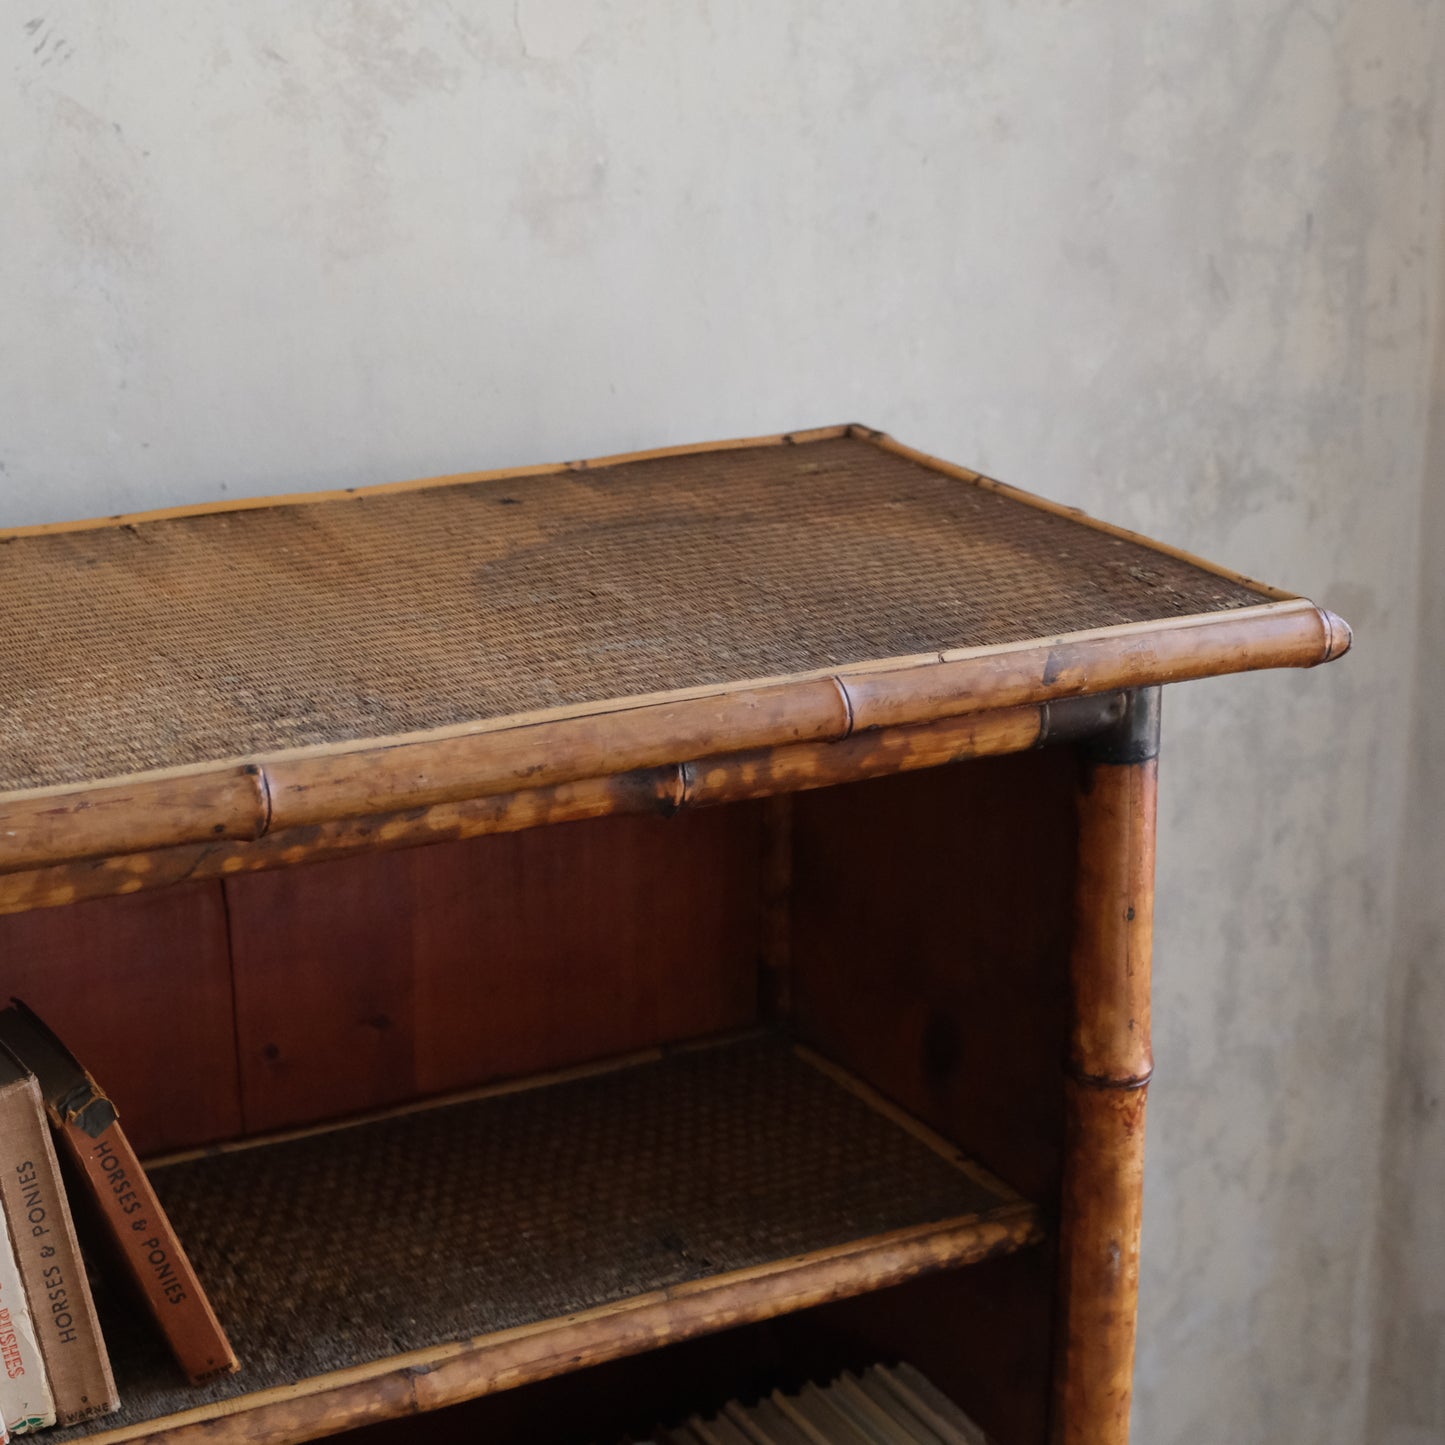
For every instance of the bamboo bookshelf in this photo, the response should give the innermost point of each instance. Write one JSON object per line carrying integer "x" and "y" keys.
{"x": 538, "y": 919}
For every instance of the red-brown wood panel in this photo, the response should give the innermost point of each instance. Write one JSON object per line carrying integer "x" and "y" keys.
{"x": 324, "y": 963}
{"x": 140, "y": 989}
{"x": 369, "y": 980}
{"x": 931, "y": 924}
{"x": 930, "y": 945}
{"x": 981, "y": 1335}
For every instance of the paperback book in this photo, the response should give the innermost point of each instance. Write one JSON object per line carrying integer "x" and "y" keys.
{"x": 90, "y": 1133}
{"x": 47, "y": 1254}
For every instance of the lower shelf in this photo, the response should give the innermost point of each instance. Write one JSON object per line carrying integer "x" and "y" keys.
{"x": 428, "y": 1257}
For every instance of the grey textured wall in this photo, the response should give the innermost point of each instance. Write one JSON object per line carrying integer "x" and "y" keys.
{"x": 1408, "y": 1401}
{"x": 1179, "y": 264}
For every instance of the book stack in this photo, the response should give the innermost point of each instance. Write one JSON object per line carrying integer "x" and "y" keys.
{"x": 884, "y": 1405}
{"x": 54, "y": 1367}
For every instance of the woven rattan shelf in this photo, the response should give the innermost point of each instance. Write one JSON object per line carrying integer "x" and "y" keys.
{"x": 265, "y": 670}
{"x": 435, "y": 1255}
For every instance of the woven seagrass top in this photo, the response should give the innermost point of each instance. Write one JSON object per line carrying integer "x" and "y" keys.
{"x": 347, "y": 1247}
{"x": 188, "y": 639}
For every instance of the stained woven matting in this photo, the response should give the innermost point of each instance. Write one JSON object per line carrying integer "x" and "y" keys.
{"x": 237, "y": 634}
{"x": 347, "y": 1247}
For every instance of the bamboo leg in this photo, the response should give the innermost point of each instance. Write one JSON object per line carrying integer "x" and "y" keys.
{"x": 1108, "y": 1078}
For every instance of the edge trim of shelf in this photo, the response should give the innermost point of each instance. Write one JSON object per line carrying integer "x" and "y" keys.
{"x": 427, "y": 1380}
{"x": 802, "y": 437}
{"x": 1061, "y": 509}
{"x": 497, "y": 1089}
{"x": 736, "y": 777}
{"x": 248, "y": 799}
{"x": 420, "y": 1381}
{"x": 422, "y": 484}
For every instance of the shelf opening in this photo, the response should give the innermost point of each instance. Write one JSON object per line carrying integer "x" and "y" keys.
{"x": 435, "y": 1254}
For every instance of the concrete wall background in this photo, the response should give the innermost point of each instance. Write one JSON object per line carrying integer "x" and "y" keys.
{"x": 1180, "y": 265}
{"x": 1408, "y": 1398}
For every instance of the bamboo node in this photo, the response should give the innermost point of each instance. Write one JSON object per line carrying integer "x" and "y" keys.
{"x": 676, "y": 791}
{"x": 1339, "y": 637}
{"x": 1122, "y": 1082}
{"x": 847, "y": 697}
{"x": 262, "y": 783}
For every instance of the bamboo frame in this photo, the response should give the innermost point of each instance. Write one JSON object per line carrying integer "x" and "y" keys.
{"x": 449, "y": 1374}
{"x": 311, "y": 787}
{"x": 1107, "y": 1088}
{"x": 432, "y": 1379}
{"x": 665, "y": 790}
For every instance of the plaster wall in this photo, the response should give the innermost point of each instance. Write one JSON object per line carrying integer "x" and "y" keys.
{"x": 1177, "y": 264}
{"x": 1408, "y": 1393}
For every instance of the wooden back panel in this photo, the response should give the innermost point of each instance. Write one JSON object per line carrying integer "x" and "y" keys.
{"x": 378, "y": 978}
{"x": 930, "y": 942}
{"x": 931, "y": 921}
{"x": 140, "y": 988}
{"x": 220, "y": 1009}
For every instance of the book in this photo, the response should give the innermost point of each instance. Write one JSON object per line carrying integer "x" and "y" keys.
{"x": 25, "y": 1401}
{"x": 882, "y": 1405}
{"x": 42, "y": 1234}
{"x": 89, "y": 1129}
{"x": 920, "y": 1399}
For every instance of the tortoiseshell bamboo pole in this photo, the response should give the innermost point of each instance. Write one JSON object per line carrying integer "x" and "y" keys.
{"x": 1108, "y": 1076}
{"x": 314, "y": 787}
{"x": 765, "y": 773}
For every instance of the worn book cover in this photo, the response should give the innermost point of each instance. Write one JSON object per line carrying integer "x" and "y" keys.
{"x": 43, "y": 1235}
{"x": 89, "y": 1129}
{"x": 24, "y": 1393}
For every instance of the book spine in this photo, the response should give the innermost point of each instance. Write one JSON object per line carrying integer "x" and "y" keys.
{"x": 43, "y": 1235}
{"x": 25, "y": 1399}
{"x": 152, "y": 1253}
